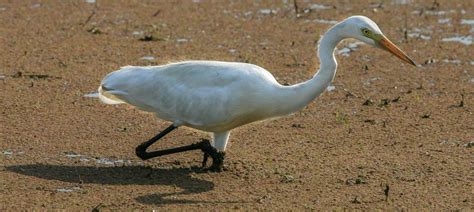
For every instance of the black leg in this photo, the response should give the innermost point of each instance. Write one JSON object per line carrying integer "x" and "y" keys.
{"x": 204, "y": 145}
{"x": 144, "y": 155}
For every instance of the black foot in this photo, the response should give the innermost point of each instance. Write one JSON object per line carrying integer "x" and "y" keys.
{"x": 217, "y": 157}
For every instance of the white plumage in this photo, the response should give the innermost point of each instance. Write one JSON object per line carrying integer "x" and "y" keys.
{"x": 220, "y": 96}
{"x": 206, "y": 95}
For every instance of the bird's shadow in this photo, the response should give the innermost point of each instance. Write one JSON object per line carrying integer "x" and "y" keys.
{"x": 127, "y": 175}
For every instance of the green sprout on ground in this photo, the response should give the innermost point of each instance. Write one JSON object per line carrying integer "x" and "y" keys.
{"x": 342, "y": 118}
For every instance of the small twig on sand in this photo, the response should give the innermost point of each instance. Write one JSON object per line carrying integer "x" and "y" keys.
{"x": 97, "y": 207}
{"x": 90, "y": 17}
{"x": 405, "y": 31}
{"x": 385, "y": 191}
{"x": 157, "y": 13}
{"x": 461, "y": 104}
{"x": 350, "y": 93}
{"x": 295, "y": 4}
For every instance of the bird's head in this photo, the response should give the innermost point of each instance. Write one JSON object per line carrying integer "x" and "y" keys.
{"x": 367, "y": 31}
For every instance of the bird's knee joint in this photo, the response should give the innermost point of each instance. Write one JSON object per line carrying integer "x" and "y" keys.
{"x": 141, "y": 152}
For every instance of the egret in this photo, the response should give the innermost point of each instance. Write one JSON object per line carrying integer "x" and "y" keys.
{"x": 216, "y": 96}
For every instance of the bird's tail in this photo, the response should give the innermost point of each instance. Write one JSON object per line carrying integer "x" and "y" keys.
{"x": 109, "y": 96}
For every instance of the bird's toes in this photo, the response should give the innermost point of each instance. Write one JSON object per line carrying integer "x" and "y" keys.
{"x": 212, "y": 169}
{"x": 217, "y": 162}
{"x": 217, "y": 157}
{"x": 218, "y": 168}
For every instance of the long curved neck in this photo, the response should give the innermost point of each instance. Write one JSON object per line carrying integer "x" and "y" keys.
{"x": 328, "y": 64}
{"x": 297, "y": 96}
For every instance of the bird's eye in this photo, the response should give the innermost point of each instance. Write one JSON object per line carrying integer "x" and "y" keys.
{"x": 365, "y": 31}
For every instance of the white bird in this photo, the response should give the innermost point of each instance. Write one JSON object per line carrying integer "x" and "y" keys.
{"x": 217, "y": 96}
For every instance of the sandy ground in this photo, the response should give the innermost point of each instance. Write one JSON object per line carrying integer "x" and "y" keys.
{"x": 61, "y": 150}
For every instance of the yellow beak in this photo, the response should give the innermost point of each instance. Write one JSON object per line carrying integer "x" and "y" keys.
{"x": 386, "y": 44}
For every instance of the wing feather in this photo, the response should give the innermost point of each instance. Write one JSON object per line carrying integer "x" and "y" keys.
{"x": 197, "y": 92}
